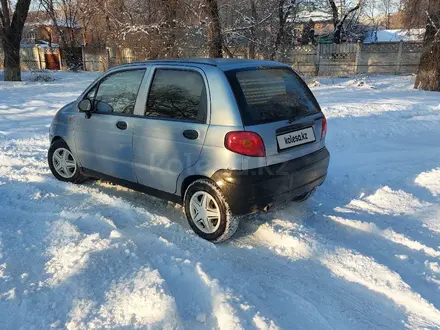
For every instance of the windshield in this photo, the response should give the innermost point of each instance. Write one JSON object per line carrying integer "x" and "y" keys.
{"x": 271, "y": 94}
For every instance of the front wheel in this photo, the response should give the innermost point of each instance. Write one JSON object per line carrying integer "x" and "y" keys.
{"x": 63, "y": 164}
{"x": 208, "y": 212}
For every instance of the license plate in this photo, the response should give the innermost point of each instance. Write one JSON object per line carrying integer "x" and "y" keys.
{"x": 296, "y": 138}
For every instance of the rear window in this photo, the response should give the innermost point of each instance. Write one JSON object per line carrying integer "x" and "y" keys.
{"x": 271, "y": 94}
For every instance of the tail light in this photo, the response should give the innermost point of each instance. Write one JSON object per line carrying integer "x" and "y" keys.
{"x": 245, "y": 143}
{"x": 324, "y": 127}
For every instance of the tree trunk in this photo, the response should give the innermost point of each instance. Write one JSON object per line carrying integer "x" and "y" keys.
{"x": 170, "y": 7}
{"x": 12, "y": 60}
{"x": 251, "y": 49}
{"x": 335, "y": 13}
{"x": 11, "y": 31}
{"x": 280, "y": 32}
{"x": 428, "y": 77}
{"x": 214, "y": 29}
{"x": 339, "y": 23}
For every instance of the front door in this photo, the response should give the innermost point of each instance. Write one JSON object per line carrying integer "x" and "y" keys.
{"x": 170, "y": 136}
{"x": 104, "y": 142}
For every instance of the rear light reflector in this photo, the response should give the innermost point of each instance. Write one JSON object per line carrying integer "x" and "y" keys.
{"x": 324, "y": 127}
{"x": 245, "y": 143}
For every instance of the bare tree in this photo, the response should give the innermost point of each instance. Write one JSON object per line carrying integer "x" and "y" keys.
{"x": 284, "y": 11}
{"x": 259, "y": 28}
{"x": 340, "y": 16}
{"x": 150, "y": 29}
{"x": 170, "y": 7}
{"x": 428, "y": 76}
{"x": 215, "y": 39}
{"x": 387, "y": 7}
{"x": 11, "y": 30}
{"x": 88, "y": 18}
{"x": 252, "y": 30}
{"x": 64, "y": 17}
{"x": 370, "y": 11}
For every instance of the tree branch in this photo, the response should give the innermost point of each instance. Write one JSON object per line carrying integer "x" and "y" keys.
{"x": 358, "y": 5}
{"x": 334, "y": 12}
{"x": 231, "y": 30}
{"x": 3, "y": 26}
{"x": 6, "y": 15}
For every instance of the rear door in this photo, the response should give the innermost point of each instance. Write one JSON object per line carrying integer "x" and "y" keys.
{"x": 275, "y": 103}
{"x": 170, "y": 136}
{"x": 104, "y": 142}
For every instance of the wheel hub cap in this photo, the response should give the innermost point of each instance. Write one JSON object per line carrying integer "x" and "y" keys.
{"x": 205, "y": 212}
{"x": 64, "y": 163}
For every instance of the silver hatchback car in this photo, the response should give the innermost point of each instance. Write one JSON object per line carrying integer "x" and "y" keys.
{"x": 223, "y": 137}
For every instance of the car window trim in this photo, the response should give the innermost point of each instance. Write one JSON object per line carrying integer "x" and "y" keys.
{"x": 147, "y": 118}
{"x": 107, "y": 75}
{"x": 235, "y": 86}
{"x": 179, "y": 68}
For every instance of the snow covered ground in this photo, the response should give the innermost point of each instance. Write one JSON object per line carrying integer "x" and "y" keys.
{"x": 363, "y": 253}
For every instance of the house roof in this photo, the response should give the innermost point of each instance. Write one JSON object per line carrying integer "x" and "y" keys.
{"x": 316, "y": 16}
{"x": 393, "y": 35}
{"x": 40, "y": 43}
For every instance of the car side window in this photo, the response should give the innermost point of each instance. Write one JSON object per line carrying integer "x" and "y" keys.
{"x": 177, "y": 94}
{"x": 117, "y": 93}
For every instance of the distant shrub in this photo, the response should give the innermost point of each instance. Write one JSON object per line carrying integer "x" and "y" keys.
{"x": 41, "y": 75}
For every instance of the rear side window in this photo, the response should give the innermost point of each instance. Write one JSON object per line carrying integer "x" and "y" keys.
{"x": 117, "y": 93}
{"x": 177, "y": 94}
{"x": 271, "y": 94}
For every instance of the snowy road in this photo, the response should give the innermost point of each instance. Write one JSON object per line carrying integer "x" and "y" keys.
{"x": 363, "y": 253}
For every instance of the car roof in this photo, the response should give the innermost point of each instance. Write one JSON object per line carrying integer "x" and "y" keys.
{"x": 222, "y": 63}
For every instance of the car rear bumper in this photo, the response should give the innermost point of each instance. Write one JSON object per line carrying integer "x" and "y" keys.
{"x": 252, "y": 190}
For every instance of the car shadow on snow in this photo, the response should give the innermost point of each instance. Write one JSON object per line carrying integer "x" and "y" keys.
{"x": 398, "y": 240}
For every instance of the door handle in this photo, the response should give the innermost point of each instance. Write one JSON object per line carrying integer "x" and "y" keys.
{"x": 191, "y": 134}
{"x": 121, "y": 125}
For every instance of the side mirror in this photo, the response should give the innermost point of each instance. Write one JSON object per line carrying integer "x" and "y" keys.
{"x": 86, "y": 106}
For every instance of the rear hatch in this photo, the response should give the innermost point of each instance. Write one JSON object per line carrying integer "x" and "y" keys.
{"x": 276, "y": 103}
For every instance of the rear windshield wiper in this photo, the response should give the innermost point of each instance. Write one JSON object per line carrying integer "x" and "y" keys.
{"x": 294, "y": 118}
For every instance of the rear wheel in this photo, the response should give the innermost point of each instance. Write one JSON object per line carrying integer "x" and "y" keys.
{"x": 63, "y": 164}
{"x": 208, "y": 212}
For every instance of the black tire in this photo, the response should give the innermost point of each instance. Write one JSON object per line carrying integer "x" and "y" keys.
{"x": 77, "y": 177}
{"x": 228, "y": 223}
{"x": 303, "y": 197}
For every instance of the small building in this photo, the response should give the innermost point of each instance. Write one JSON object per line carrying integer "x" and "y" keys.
{"x": 40, "y": 56}
{"x": 322, "y": 21}
{"x": 40, "y": 28}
